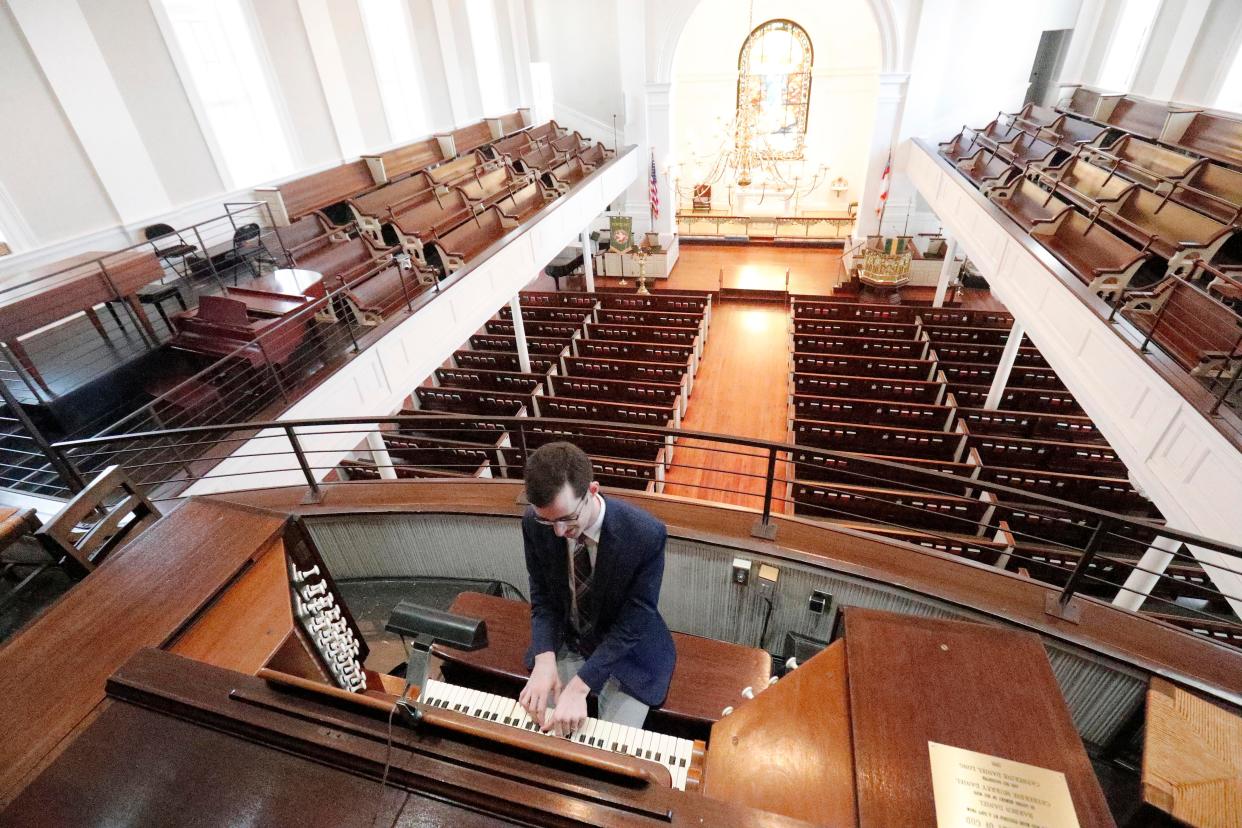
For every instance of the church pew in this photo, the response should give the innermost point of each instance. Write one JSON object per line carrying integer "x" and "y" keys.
{"x": 927, "y": 511}
{"x": 1215, "y": 135}
{"x": 1224, "y": 632}
{"x": 680, "y": 355}
{"x": 962, "y": 334}
{"x": 1025, "y": 148}
{"x": 375, "y": 296}
{"x": 367, "y": 470}
{"x": 487, "y": 433}
{"x": 990, "y": 551}
{"x": 654, "y": 318}
{"x": 840, "y": 327}
{"x": 519, "y": 205}
{"x": 812, "y": 308}
{"x": 961, "y": 146}
{"x": 1071, "y": 133}
{"x": 340, "y": 261}
{"x": 597, "y": 441}
{"x": 1080, "y": 182}
{"x": 558, "y": 299}
{"x": 998, "y": 131}
{"x": 815, "y": 466}
{"x": 1044, "y": 525}
{"x": 545, "y": 330}
{"x": 1114, "y": 494}
{"x": 624, "y": 369}
{"x": 319, "y": 191}
{"x": 985, "y": 169}
{"x": 620, "y": 390}
{"x": 513, "y": 146}
{"x": 927, "y": 392}
{"x": 1079, "y": 100}
{"x": 452, "y": 173}
{"x": 308, "y": 234}
{"x": 1212, "y": 189}
{"x": 484, "y": 189}
{"x": 545, "y": 132}
{"x": 564, "y": 175}
{"x": 1066, "y": 456}
{"x": 1021, "y": 376}
{"x": 469, "y": 138}
{"x": 1140, "y": 161}
{"x": 644, "y": 333}
{"x": 1130, "y": 113}
{"x": 877, "y": 412}
{"x": 417, "y": 222}
{"x": 439, "y": 455}
{"x": 502, "y": 361}
{"x": 682, "y": 302}
{"x": 889, "y": 441}
{"x": 1172, "y": 231}
{"x": 1201, "y": 334}
{"x": 1032, "y": 425}
{"x": 1108, "y": 573}
{"x": 371, "y": 209}
{"x": 595, "y": 155}
{"x": 514, "y": 381}
{"x": 987, "y": 354}
{"x": 1019, "y": 399}
{"x": 1034, "y": 119}
{"x": 537, "y": 158}
{"x": 611, "y": 411}
{"x": 859, "y": 366}
{"x": 534, "y": 344}
{"x": 1027, "y": 203}
{"x": 466, "y": 241}
{"x": 403, "y": 161}
{"x": 473, "y": 401}
{"x": 548, "y": 313}
{"x": 859, "y": 346}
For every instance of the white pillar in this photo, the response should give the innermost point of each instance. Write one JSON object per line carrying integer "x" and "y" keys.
{"x": 379, "y": 454}
{"x": 1008, "y": 356}
{"x": 326, "y": 52}
{"x": 888, "y": 108}
{"x": 947, "y": 271}
{"x": 519, "y": 333}
{"x": 659, "y": 133}
{"x": 588, "y": 264}
{"x": 449, "y": 54}
{"x": 1139, "y": 583}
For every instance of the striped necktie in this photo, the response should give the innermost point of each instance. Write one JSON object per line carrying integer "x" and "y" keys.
{"x": 582, "y": 595}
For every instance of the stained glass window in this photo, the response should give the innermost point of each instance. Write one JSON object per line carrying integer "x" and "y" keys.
{"x": 774, "y": 90}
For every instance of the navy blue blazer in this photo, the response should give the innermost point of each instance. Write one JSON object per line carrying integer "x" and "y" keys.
{"x": 634, "y": 643}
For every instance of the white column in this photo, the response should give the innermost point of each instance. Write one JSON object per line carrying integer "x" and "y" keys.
{"x": 379, "y": 454}
{"x": 519, "y": 333}
{"x": 947, "y": 271}
{"x": 1139, "y": 583}
{"x": 447, "y": 39}
{"x": 64, "y": 46}
{"x": 321, "y": 35}
{"x": 588, "y": 264}
{"x": 659, "y": 134}
{"x": 888, "y": 108}
{"x": 1008, "y": 356}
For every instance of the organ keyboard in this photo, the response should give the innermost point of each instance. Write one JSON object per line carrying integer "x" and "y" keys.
{"x": 682, "y": 757}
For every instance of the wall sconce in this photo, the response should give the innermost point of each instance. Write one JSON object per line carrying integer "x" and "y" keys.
{"x": 838, "y": 186}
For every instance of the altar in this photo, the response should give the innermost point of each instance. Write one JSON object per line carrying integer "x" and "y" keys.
{"x": 659, "y": 264}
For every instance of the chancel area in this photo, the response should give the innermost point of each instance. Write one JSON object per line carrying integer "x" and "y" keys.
{"x": 621, "y": 413}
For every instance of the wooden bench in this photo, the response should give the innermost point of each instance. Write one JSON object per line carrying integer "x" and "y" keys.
{"x": 514, "y": 381}
{"x": 402, "y": 161}
{"x": 481, "y": 432}
{"x": 367, "y": 470}
{"x": 620, "y": 390}
{"x": 570, "y": 299}
{"x": 986, "y": 169}
{"x": 654, "y": 318}
{"x": 654, "y": 352}
{"x": 1034, "y": 118}
{"x": 418, "y": 221}
{"x": 534, "y": 344}
{"x": 466, "y": 241}
{"x": 1132, "y": 114}
{"x": 1037, "y": 526}
{"x": 544, "y": 330}
{"x": 1027, "y": 203}
{"x": 564, "y": 175}
{"x": 1215, "y": 135}
{"x": 1019, "y": 399}
{"x": 927, "y": 511}
{"x": 319, "y": 191}
{"x": 859, "y": 346}
{"x": 1020, "y": 376}
{"x": 1141, "y": 161}
{"x": 502, "y": 361}
{"x": 546, "y": 132}
{"x": 538, "y": 158}
{"x": 1031, "y": 424}
{"x": 548, "y": 313}
{"x": 1213, "y": 190}
{"x": 1102, "y": 260}
{"x": 841, "y": 327}
{"x": 308, "y": 234}
{"x": 1201, "y": 334}
{"x": 806, "y": 407}
{"x": 488, "y": 188}
{"x": 1025, "y": 148}
{"x": 452, "y": 173}
{"x": 928, "y": 392}
{"x": 597, "y": 441}
{"x": 1071, "y": 133}
{"x": 860, "y": 469}
{"x": 1115, "y": 494}
{"x": 473, "y": 401}
{"x": 987, "y": 354}
{"x": 439, "y": 455}
{"x": 681, "y": 302}
{"x": 889, "y": 441}
{"x": 595, "y": 155}
{"x": 1080, "y": 100}
{"x": 960, "y": 146}
{"x": 1082, "y": 183}
{"x": 469, "y": 138}
{"x": 374, "y": 207}
{"x": 1019, "y": 453}
{"x": 661, "y": 335}
{"x": 848, "y": 365}
{"x": 611, "y": 411}
{"x": 624, "y": 369}
{"x": 519, "y": 205}
{"x": 511, "y": 147}
{"x": 1172, "y": 231}
{"x": 388, "y": 287}
{"x": 810, "y": 308}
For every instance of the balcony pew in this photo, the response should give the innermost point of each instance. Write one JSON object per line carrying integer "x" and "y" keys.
{"x": 323, "y": 191}
{"x": 1040, "y": 400}
{"x": 536, "y": 345}
{"x": 467, "y": 139}
{"x": 960, "y": 146}
{"x": 1027, "y": 203}
{"x": 474, "y": 401}
{"x": 859, "y": 346}
{"x": 454, "y": 248}
{"x": 923, "y": 392}
{"x": 488, "y": 188}
{"x": 877, "y": 412}
{"x": 501, "y": 361}
{"x": 1031, "y": 425}
{"x": 1141, "y": 161}
{"x": 1071, "y": 133}
{"x": 1130, "y": 113}
{"x": 1172, "y": 231}
{"x": 1079, "y": 100}
{"x": 595, "y": 155}
{"x": 1212, "y": 189}
{"x": 417, "y": 222}
{"x": 1101, "y": 259}
{"x": 863, "y": 366}
{"x": 839, "y": 327}
{"x": 401, "y": 162}
{"x": 986, "y": 169}
{"x": 1080, "y": 182}
{"x": 564, "y": 175}
{"x": 812, "y": 308}
{"x": 887, "y": 441}
{"x": 385, "y": 289}
{"x": 1200, "y": 333}
{"x": 521, "y": 204}
{"x": 1025, "y": 148}
{"x": 1215, "y": 135}
{"x": 371, "y": 209}
{"x": 546, "y": 132}
{"x": 306, "y": 236}
{"x": 1019, "y": 453}
{"x": 511, "y": 147}
{"x": 453, "y": 173}
{"x": 925, "y": 511}
{"x": 537, "y": 159}
{"x": 512, "y": 381}
{"x": 620, "y": 390}
{"x": 1033, "y": 118}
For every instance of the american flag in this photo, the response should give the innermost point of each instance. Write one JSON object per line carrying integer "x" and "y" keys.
{"x": 653, "y": 191}
{"x": 884, "y": 182}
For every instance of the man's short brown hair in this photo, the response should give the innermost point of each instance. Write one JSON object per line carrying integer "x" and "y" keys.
{"x": 553, "y": 465}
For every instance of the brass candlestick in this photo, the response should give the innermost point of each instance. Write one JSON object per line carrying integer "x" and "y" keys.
{"x": 641, "y": 256}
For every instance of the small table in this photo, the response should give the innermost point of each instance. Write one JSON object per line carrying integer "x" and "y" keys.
{"x": 709, "y": 675}
{"x": 1192, "y": 757}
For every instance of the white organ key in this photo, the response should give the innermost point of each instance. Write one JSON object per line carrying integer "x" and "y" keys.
{"x": 603, "y": 734}
{"x": 498, "y": 704}
{"x": 681, "y": 763}
{"x": 588, "y": 732}
{"x": 626, "y": 742}
{"x": 509, "y": 711}
{"x": 644, "y": 745}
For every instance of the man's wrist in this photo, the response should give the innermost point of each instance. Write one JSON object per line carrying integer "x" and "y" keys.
{"x": 577, "y": 686}
{"x": 545, "y": 657}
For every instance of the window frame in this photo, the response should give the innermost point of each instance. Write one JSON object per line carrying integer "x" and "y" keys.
{"x": 743, "y": 63}
{"x": 1140, "y": 52}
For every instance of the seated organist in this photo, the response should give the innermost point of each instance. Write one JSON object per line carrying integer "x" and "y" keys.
{"x": 595, "y": 568}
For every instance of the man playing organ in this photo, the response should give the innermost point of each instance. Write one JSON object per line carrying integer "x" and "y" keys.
{"x": 595, "y": 569}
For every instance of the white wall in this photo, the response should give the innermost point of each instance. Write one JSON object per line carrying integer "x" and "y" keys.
{"x": 571, "y": 36}
{"x": 844, "y": 82}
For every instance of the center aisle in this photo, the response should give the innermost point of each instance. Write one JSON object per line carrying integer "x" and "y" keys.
{"x": 741, "y": 389}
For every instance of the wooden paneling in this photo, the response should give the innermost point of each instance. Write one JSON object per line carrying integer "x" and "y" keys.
{"x": 52, "y": 673}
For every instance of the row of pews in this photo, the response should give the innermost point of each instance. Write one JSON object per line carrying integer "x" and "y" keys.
{"x": 900, "y": 390}
{"x": 609, "y": 357}
{"x": 1133, "y": 199}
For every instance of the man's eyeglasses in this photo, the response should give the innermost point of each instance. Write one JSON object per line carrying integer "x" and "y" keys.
{"x": 567, "y": 518}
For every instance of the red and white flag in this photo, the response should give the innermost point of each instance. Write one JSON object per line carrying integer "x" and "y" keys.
{"x": 885, "y": 180}
{"x": 653, "y": 190}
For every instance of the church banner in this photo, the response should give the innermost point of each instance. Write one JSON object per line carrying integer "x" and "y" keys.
{"x": 620, "y": 234}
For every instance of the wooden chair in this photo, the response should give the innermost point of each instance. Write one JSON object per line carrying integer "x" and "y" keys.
{"x": 104, "y": 516}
